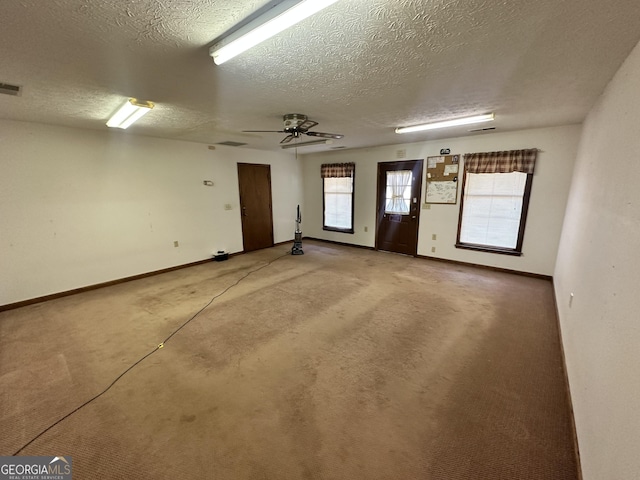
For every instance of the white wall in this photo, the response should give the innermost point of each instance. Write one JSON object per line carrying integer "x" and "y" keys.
{"x": 551, "y": 181}
{"x": 599, "y": 262}
{"x": 81, "y": 207}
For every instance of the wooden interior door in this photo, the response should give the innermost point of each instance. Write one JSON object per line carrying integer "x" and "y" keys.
{"x": 397, "y": 228}
{"x": 255, "y": 206}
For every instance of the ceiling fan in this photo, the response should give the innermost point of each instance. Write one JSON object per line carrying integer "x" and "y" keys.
{"x": 295, "y": 125}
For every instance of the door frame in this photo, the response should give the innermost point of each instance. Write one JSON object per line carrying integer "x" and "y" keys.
{"x": 401, "y": 165}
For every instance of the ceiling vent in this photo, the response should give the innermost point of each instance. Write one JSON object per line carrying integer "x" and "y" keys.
{"x": 229, "y": 143}
{"x": 8, "y": 89}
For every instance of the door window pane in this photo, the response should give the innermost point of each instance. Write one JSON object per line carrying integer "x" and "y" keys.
{"x": 398, "y": 194}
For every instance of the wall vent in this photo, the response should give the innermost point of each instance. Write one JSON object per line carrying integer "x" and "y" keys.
{"x": 8, "y": 89}
{"x": 229, "y": 143}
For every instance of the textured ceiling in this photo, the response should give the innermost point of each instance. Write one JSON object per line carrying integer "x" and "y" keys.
{"x": 359, "y": 67}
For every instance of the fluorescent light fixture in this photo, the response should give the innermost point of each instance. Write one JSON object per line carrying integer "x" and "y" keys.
{"x": 128, "y": 113}
{"x": 326, "y": 141}
{"x": 282, "y": 16}
{"x": 447, "y": 123}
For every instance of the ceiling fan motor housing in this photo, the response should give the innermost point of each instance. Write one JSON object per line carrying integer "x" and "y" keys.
{"x": 293, "y": 120}
{"x": 297, "y": 124}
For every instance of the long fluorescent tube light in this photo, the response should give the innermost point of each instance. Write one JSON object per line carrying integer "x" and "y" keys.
{"x": 326, "y": 141}
{"x": 447, "y": 123}
{"x": 128, "y": 113}
{"x": 282, "y": 16}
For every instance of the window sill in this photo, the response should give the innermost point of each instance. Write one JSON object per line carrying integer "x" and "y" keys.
{"x": 489, "y": 249}
{"x": 339, "y": 230}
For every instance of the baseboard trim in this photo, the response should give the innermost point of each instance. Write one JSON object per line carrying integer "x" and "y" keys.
{"x": 488, "y": 267}
{"x": 283, "y": 243}
{"x": 53, "y": 296}
{"x": 339, "y": 243}
{"x": 576, "y": 445}
{"x": 66, "y": 293}
{"x": 446, "y": 260}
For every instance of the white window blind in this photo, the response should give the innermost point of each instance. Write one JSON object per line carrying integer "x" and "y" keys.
{"x": 492, "y": 209}
{"x": 338, "y": 198}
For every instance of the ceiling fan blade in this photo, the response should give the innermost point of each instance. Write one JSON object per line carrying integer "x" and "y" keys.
{"x": 266, "y": 131}
{"x": 324, "y": 135}
{"x": 306, "y": 125}
{"x": 287, "y": 139}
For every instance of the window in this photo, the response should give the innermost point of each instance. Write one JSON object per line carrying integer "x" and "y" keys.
{"x": 398, "y": 194}
{"x": 337, "y": 191}
{"x": 495, "y": 201}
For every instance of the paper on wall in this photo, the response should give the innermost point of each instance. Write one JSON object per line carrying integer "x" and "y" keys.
{"x": 450, "y": 169}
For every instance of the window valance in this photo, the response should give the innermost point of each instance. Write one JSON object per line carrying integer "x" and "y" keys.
{"x": 337, "y": 170}
{"x": 501, "y": 162}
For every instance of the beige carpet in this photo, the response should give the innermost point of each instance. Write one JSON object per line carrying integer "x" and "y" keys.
{"x": 342, "y": 363}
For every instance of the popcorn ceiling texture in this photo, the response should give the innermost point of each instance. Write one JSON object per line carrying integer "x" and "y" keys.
{"x": 358, "y": 67}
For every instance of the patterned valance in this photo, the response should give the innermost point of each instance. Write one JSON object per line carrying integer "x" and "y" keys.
{"x": 501, "y": 162}
{"x": 337, "y": 170}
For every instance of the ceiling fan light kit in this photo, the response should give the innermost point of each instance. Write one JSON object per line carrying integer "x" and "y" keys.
{"x": 447, "y": 123}
{"x": 129, "y": 112}
{"x": 281, "y": 16}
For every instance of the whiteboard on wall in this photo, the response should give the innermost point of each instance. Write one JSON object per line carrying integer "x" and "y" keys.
{"x": 442, "y": 179}
{"x": 442, "y": 192}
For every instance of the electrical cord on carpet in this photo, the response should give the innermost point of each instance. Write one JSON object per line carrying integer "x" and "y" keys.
{"x": 161, "y": 345}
